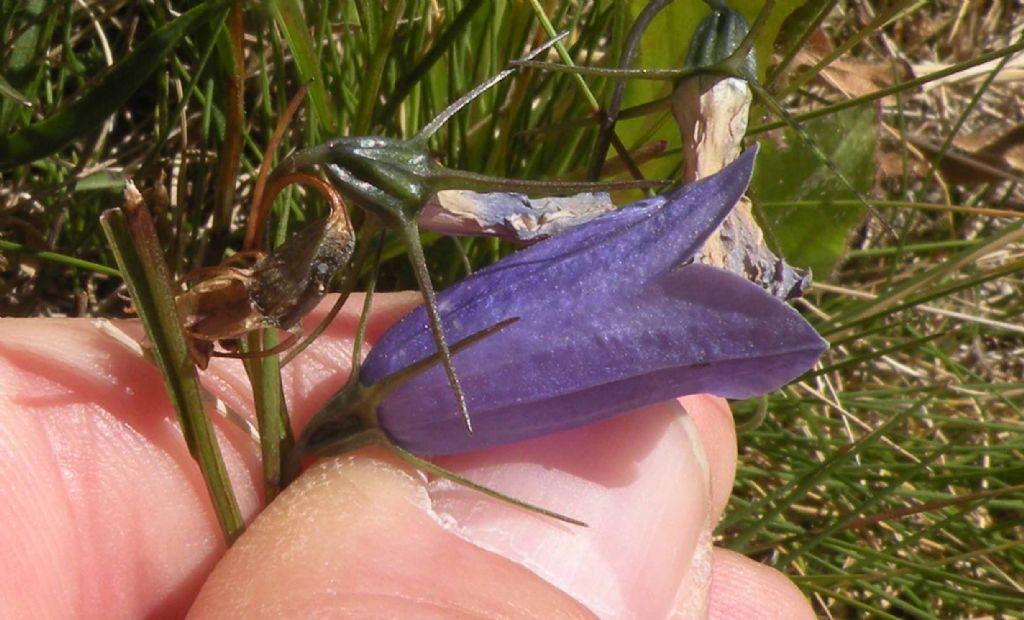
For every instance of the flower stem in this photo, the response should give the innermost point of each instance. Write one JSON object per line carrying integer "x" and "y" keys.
{"x": 136, "y": 247}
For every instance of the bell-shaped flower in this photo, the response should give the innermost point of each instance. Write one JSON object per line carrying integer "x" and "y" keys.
{"x": 609, "y": 319}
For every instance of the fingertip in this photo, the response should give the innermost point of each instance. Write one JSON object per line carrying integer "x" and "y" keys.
{"x": 640, "y": 483}
{"x": 104, "y": 506}
{"x": 713, "y": 419}
{"x": 355, "y": 536}
{"x": 742, "y": 588}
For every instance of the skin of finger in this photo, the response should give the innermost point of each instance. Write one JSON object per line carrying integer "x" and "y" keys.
{"x": 369, "y": 541}
{"x": 742, "y": 588}
{"x": 653, "y": 453}
{"x": 355, "y": 537}
{"x": 69, "y": 541}
{"x": 104, "y": 507}
{"x": 713, "y": 419}
{"x": 524, "y": 472}
{"x": 639, "y": 481}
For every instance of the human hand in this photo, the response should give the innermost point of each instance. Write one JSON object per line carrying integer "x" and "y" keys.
{"x": 105, "y": 513}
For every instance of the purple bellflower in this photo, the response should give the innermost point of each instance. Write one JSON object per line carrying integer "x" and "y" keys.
{"x": 609, "y": 320}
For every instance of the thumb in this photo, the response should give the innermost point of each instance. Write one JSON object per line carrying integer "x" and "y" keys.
{"x": 361, "y": 535}
{"x": 355, "y": 537}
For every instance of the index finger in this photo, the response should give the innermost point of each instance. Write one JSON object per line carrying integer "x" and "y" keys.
{"x": 104, "y": 506}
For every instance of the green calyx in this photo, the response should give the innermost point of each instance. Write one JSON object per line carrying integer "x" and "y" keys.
{"x": 347, "y": 422}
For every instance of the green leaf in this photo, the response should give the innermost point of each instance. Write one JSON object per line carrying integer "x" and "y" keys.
{"x": 102, "y": 180}
{"x": 10, "y": 92}
{"x": 88, "y": 112}
{"x": 766, "y": 39}
{"x": 289, "y": 16}
{"x": 815, "y": 235}
{"x": 21, "y": 62}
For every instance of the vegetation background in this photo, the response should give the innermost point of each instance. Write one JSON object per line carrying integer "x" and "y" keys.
{"x": 887, "y": 483}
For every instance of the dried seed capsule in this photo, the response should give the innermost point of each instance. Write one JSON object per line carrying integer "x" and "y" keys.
{"x": 288, "y": 283}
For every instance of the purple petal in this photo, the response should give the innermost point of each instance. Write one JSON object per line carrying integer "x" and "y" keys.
{"x": 605, "y": 326}
{"x": 696, "y": 330}
{"x": 600, "y": 259}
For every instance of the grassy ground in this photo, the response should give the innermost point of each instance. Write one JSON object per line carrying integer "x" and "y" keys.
{"x": 887, "y": 482}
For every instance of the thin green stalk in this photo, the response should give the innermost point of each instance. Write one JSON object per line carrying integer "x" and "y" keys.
{"x": 231, "y": 149}
{"x": 370, "y": 91}
{"x": 59, "y": 258}
{"x": 1009, "y": 50}
{"x": 440, "y": 45}
{"x": 901, "y": 204}
{"x": 410, "y": 235}
{"x": 549, "y": 29}
{"x": 272, "y": 418}
{"x": 914, "y": 248}
{"x": 136, "y": 247}
{"x": 776, "y": 505}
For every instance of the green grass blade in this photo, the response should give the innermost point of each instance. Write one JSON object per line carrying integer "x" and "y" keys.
{"x": 370, "y": 92}
{"x": 881, "y": 93}
{"x": 59, "y": 258}
{"x": 292, "y": 20}
{"x": 417, "y": 73}
{"x": 10, "y": 92}
{"x": 1008, "y": 235}
{"x": 800, "y": 487}
{"x": 23, "y": 66}
{"x": 88, "y": 112}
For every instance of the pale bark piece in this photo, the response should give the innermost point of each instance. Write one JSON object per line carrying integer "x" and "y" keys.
{"x": 712, "y": 115}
